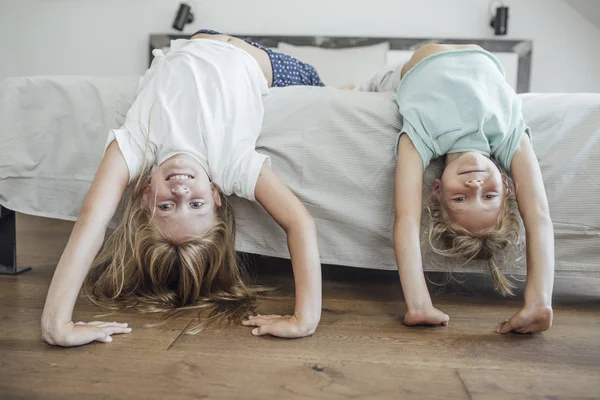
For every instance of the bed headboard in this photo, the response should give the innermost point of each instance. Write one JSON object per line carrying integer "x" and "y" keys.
{"x": 515, "y": 55}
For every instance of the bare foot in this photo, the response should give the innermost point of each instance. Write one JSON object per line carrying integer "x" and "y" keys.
{"x": 348, "y": 86}
{"x": 429, "y": 316}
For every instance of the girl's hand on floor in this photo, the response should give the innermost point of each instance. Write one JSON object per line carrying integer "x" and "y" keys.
{"x": 81, "y": 333}
{"x": 528, "y": 320}
{"x": 426, "y": 316}
{"x": 287, "y": 326}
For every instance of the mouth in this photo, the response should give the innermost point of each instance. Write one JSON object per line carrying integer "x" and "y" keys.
{"x": 471, "y": 171}
{"x": 179, "y": 177}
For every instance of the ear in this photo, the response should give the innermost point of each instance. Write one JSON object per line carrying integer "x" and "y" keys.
{"x": 216, "y": 194}
{"x": 506, "y": 185}
{"x": 435, "y": 187}
{"x": 146, "y": 195}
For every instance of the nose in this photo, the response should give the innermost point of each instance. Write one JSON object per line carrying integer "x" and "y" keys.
{"x": 180, "y": 190}
{"x": 474, "y": 183}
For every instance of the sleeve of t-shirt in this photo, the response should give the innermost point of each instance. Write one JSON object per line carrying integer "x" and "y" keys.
{"x": 237, "y": 172}
{"x": 506, "y": 150}
{"x": 132, "y": 153}
{"x": 412, "y": 125}
{"x": 424, "y": 151}
{"x": 249, "y": 177}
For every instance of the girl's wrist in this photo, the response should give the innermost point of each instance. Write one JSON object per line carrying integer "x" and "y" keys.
{"x": 418, "y": 303}
{"x": 53, "y": 319}
{"x": 307, "y": 318}
{"x": 537, "y": 299}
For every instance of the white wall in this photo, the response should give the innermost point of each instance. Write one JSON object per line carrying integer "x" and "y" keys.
{"x": 110, "y": 37}
{"x": 589, "y": 9}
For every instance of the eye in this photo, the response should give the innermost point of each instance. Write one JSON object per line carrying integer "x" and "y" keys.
{"x": 165, "y": 207}
{"x": 459, "y": 199}
{"x": 490, "y": 196}
{"x": 196, "y": 204}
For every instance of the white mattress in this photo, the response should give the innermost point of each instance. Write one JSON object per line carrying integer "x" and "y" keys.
{"x": 333, "y": 148}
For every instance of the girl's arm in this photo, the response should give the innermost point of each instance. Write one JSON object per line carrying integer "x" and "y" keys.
{"x": 407, "y": 224}
{"x": 84, "y": 243}
{"x": 289, "y": 212}
{"x": 536, "y": 314}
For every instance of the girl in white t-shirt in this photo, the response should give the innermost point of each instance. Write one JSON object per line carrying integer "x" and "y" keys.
{"x": 188, "y": 141}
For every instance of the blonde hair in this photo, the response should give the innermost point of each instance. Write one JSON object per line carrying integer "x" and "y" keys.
{"x": 450, "y": 240}
{"x": 141, "y": 267}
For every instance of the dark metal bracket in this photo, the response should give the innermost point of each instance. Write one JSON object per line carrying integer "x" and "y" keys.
{"x": 8, "y": 243}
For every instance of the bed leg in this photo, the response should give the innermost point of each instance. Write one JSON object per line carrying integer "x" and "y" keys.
{"x": 8, "y": 243}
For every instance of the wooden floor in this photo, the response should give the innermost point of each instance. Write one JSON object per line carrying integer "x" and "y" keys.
{"x": 361, "y": 349}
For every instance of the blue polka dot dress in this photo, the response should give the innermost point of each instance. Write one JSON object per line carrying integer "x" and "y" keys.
{"x": 287, "y": 71}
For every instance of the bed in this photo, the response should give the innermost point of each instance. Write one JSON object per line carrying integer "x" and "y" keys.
{"x": 333, "y": 148}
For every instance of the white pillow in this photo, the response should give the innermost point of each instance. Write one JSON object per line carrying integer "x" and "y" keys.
{"x": 398, "y": 57}
{"x": 337, "y": 67}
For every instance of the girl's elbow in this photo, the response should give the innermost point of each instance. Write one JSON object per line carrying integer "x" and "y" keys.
{"x": 303, "y": 222}
{"x": 539, "y": 216}
{"x": 308, "y": 223}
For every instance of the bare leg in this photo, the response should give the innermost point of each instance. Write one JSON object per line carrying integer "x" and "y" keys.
{"x": 386, "y": 80}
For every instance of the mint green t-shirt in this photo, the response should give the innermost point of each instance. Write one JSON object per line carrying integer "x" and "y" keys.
{"x": 459, "y": 101}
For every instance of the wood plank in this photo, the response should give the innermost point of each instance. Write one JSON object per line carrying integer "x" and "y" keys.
{"x": 40, "y": 241}
{"x": 360, "y": 350}
{"x": 21, "y": 330}
{"x": 84, "y": 373}
{"x": 22, "y": 301}
{"x": 379, "y": 336}
{"x": 527, "y": 384}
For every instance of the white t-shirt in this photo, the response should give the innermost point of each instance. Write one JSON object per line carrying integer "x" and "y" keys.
{"x": 204, "y": 98}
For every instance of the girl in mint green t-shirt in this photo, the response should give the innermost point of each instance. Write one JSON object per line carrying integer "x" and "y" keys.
{"x": 456, "y": 103}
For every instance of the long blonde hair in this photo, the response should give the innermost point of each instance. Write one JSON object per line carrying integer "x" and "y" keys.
{"x": 452, "y": 241}
{"x": 141, "y": 267}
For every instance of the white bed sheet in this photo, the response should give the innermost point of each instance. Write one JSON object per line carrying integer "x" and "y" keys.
{"x": 333, "y": 148}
